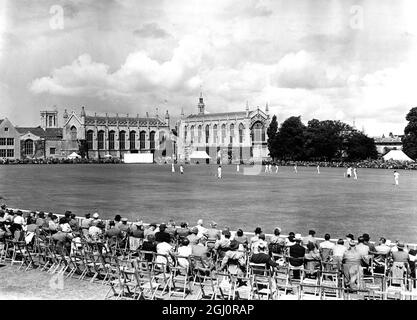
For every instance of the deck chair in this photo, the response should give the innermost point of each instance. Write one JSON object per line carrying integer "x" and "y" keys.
{"x": 282, "y": 280}
{"x": 309, "y": 291}
{"x": 207, "y": 284}
{"x": 145, "y": 278}
{"x": 224, "y": 285}
{"x": 200, "y": 268}
{"x": 180, "y": 277}
{"x": 2, "y": 252}
{"x": 162, "y": 275}
{"x": 12, "y": 252}
{"x": 397, "y": 280}
{"x": 242, "y": 286}
{"x": 27, "y": 258}
{"x": 331, "y": 292}
{"x": 263, "y": 286}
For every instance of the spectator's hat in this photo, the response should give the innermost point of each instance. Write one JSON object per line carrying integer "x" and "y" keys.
{"x": 95, "y": 215}
{"x": 400, "y": 244}
{"x": 312, "y": 232}
{"x": 227, "y": 233}
{"x": 279, "y": 229}
{"x": 388, "y": 242}
{"x": 213, "y": 224}
{"x": 87, "y": 215}
{"x": 352, "y": 243}
{"x": 194, "y": 230}
{"x": 138, "y": 223}
{"x": 124, "y": 219}
{"x": 350, "y": 236}
{"x": 366, "y": 237}
{"x": 298, "y": 236}
{"x": 163, "y": 226}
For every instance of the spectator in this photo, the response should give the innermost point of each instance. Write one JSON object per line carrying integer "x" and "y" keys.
{"x": 263, "y": 257}
{"x": 383, "y": 248}
{"x": 113, "y": 234}
{"x": 361, "y": 247}
{"x": 338, "y": 251}
{"x": 367, "y": 238}
{"x": 184, "y": 250}
{"x": 117, "y": 220}
{"x": 193, "y": 236}
{"x": 222, "y": 245}
{"x": 241, "y": 238}
{"x": 86, "y": 223}
{"x": 234, "y": 260}
{"x": 202, "y": 231}
{"x": 94, "y": 231}
{"x": 40, "y": 221}
{"x": 311, "y": 259}
{"x": 171, "y": 229}
{"x": 290, "y": 240}
{"x": 19, "y": 218}
{"x": 124, "y": 227}
{"x": 349, "y": 238}
{"x": 297, "y": 253}
{"x": 64, "y": 225}
{"x": 326, "y": 248}
{"x": 149, "y": 245}
{"x": 213, "y": 234}
{"x": 138, "y": 231}
{"x": 2, "y": 218}
{"x": 74, "y": 223}
{"x": 255, "y": 238}
{"x": 150, "y": 230}
{"x": 162, "y": 235}
{"x": 53, "y": 224}
{"x": 352, "y": 269}
{"x": 400, "y": 255}
{"x": 164, "y": 248}
{"x": 183, "y": 232}
{"x": 311, "y": 238}
{"x": 261, "y": 240}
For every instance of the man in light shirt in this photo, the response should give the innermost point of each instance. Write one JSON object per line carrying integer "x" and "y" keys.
{"x": 202, "y": 231}
{"x": 19, "y": 218}
{"x": 326, "y": 244}
{"x": 383, "y": 248}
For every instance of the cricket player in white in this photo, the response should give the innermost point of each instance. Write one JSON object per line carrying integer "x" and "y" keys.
{"x": 318, "y": 169}
{"x": 295, "y": 168}
{"x": 219, "y": 172}
{"x": 181, "y": 169}
{"x": 237, "y": 167}
{"x": 276, "y": 168}
{"x": 355, "y": 175}
{"x": 396, "y": 177}
{"x": 270, "y": 168}
{"x": 349, "y": 172}
{"x": 172, "y": 168}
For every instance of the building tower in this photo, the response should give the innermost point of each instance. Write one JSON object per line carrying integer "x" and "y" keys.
{"x": 49, "y": 119}
{"x": 201, "y": 104}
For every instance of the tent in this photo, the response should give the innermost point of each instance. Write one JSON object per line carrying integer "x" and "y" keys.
{"x": 199, "y": 155}
{"x": 74, "y": 156}
{"x": 397, "y": 155}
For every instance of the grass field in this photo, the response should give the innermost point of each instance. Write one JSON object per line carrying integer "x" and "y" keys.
{"x": 295, "y": 202}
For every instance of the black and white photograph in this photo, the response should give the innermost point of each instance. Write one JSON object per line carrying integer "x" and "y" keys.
{"x": 208, "y": 154}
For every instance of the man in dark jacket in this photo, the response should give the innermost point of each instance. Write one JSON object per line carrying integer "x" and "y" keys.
{"x": 297, "y": 252}
{"x": 263, "y": 257}
{"x": 162, "y": 235}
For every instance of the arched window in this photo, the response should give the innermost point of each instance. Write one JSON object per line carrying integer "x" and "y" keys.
{"x": 28, "y": 147}
{"x": 100, "y": 138}
{"x": 152, "y": 140}
{"x": 199, "y": 134}
{"x": 90, "y": 135}
{"x": 142, "y": 137}
{"x": 73, "y": 133}
{"x": 232, "y": 132}
{"x": 132, "y": 140}
{"x": 122, "y": 140}
{"x": 258, "y": 132}
{"x": 223, "y": 132}
{"x": 192, "y": 134}
{"x": 215, "y": 133}
{"x": 111, "y": 140}
{"x": 207, "y": 133}
{"x": 241, "y": 129}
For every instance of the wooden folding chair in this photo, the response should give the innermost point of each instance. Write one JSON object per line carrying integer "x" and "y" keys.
{"x": 145, "y": 278}
{"x": 180, "y": 278}
{"x": 224, "y": 285}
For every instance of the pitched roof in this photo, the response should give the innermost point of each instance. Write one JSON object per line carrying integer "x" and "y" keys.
{"x": 132, "y": 121}
{"x": 37, "y": 131}
{"x": 218, "y": 114}
{"x": 53, "y": 133}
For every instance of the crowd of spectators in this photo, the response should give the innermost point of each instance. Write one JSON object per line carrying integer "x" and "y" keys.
{"x": 376, "y": 164}
{"x": 216, "y": 247}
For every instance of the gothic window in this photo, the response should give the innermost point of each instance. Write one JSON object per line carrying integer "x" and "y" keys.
{"x": 111, "y": 140}
{"x": 132, "y": 140}
{"x": 90, "y": 135}
{"x": 241, "y": 130}
{"x": 100, "y": 138}
{"x": 142, "y": 137}
{"x": 73, "y": 133}
{"x": 28, "y": 147}
{"x": 122, "y": 140}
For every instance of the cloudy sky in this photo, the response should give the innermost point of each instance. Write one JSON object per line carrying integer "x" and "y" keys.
{"x": 324, "y": 59}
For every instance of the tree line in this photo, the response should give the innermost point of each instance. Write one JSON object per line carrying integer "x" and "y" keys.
{"x": 328, "y": 140}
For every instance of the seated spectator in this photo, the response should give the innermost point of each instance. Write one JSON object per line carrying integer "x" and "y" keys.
{"x": 150, "y": 230}
{"x": 124, "y": 227}
{"x": 149, "y": 244}
{"x": 255, "y": 238}
{"x": 40, "y": 220}
{"x": 171, "y": 229}
{"x": 366, "y": 242}
{"x": 3, "y": 231}
{"x": 326, "y": 248}
{"x": 213, "y": 234}
{"x": 162, "y": 235}
{"x": 73, "y": 222}
{"x": 338, "y": 252}
{"x": 395, "y": 248}
{"x": 31, "y": 226}
{"x": 96, "y": 216}
{"x": 192, "y": 237}
{"x": 349, "y": 238}
{"x": 67, "y": 215}
{"x": 164, "y": 248}
{"x": 400, "y": 255}
{"x": 117, "y": 220}
{"x": 138, "y": 230}
{"x": 2, "y": 218}
{"x": 311, "y": 238}
{"x": 382, "y": 247}
{"x": 234, "y": 260}
{"x": 86, "y": 223}
{"x": 184, "y": 231}
{"x": 241, "y": 238}
{"x": 113, "y": 234}
{"x": 261, "y": 240}
{"x": 53, "y": 224}
{"x": 64, "y": 225}
{"x": 16, "y": 231}
{"x": 222, "y": 245}
{"x": 263, "y": 257}
{"x": 297, "y": 253}
{"x": 276, "y": 243}
{"x": 95, "y": 231}
{"x": 311, "y": 259}
{"x": 19, "y": 218}
{"x": 62, "y": 241}
{"x": 201, "y": 251}
{"x": 184, "y": 250}
{"x": 290, "y": 240}
{"x": 202, "y": 231}
{"x": 361, "y": 247}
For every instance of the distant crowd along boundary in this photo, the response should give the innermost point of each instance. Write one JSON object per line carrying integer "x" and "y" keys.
{"x": 267, "y": 235}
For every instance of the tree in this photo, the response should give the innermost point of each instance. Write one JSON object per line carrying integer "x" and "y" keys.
{"x": 358, "y": 146}
{"x": 272, "y": 133}
{"x": 410, "y": 134}
{"x": 290, "y": 139}
{"x": 324, "y": 139}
